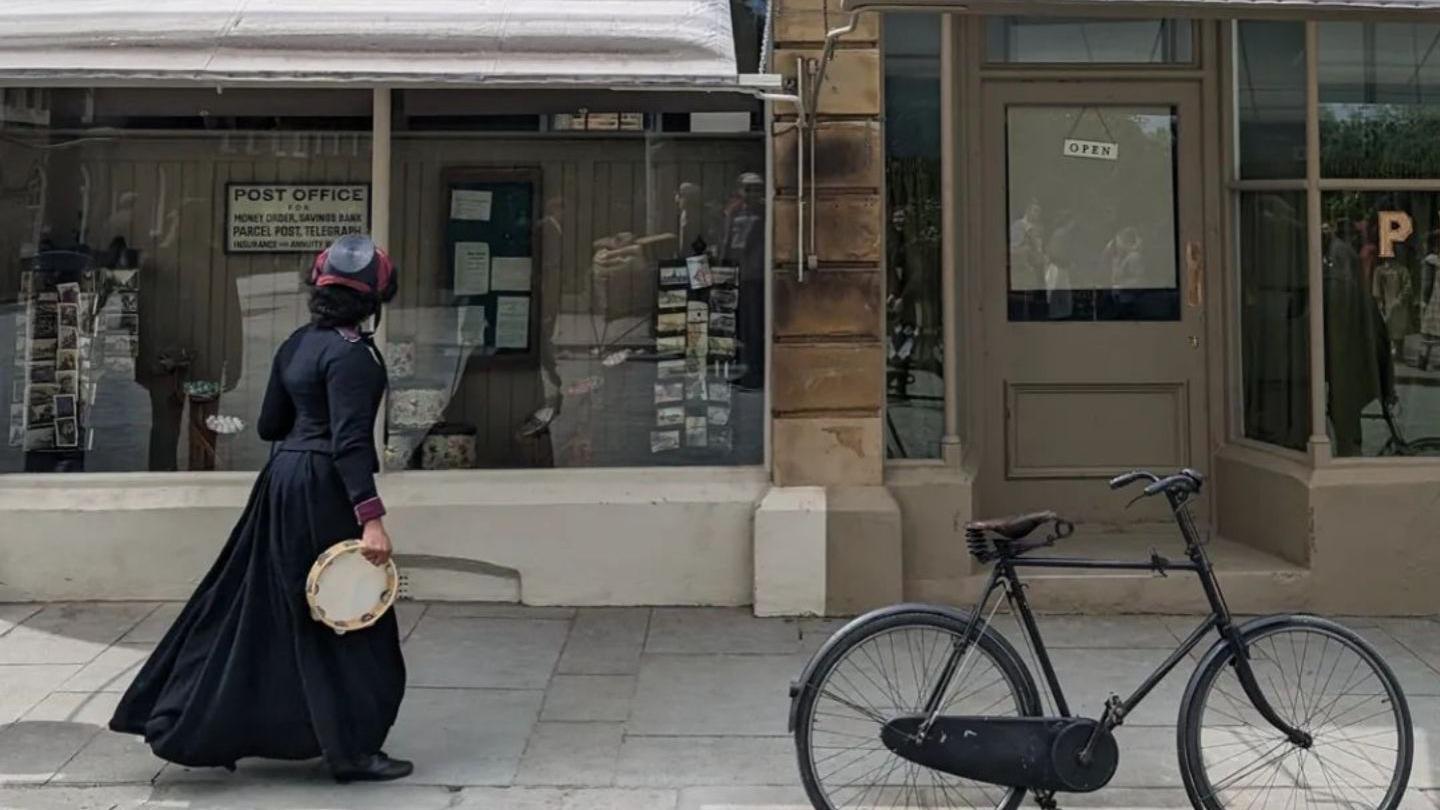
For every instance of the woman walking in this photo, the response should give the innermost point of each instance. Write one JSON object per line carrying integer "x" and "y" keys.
{"x": 245, "y": 671}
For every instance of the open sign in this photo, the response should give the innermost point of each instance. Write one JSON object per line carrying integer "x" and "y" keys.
{"x": 1094, "y": 150}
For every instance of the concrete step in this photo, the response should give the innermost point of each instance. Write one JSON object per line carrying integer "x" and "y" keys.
{"x": 1253, "y": 581}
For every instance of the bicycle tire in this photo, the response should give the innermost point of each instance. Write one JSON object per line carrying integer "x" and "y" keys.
{"x": 1001, "y": 655}
{"x": 1199, "y": 784}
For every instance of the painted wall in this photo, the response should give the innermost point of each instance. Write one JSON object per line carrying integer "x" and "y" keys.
{"x": 579, "y": 538}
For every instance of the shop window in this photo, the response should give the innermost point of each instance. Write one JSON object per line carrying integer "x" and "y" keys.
{"x": 1379, "y": 100}
{"x": 915, "y": 314}
{"x": 1274, "y": 317}
{"x": 590, "y": 296}
{"x": 151, "y": 251}
{"x": 1091, "y": 225}
{"x": 1270, "y": 99}
{"x": 1069, "y": 40}
{"x": 1382, "y": 322}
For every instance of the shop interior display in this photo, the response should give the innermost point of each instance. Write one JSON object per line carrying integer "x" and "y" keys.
{"x": 79, "y": 322}
{"x": 695, "y": 319}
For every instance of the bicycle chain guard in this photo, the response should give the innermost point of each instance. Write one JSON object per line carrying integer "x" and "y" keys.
{"x": 1038, "y": 753}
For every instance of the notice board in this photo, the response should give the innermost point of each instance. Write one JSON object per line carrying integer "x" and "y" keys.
{"x": 491, "y": 258}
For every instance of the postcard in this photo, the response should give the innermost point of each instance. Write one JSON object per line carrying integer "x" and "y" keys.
{"x": 664, "y": 440}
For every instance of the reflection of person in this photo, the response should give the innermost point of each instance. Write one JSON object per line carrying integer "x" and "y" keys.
{"x": 1358, "y": 365}
{"x": 1125, "y": 260}
{"x": 245, "y": 671}
{"x": 215, "y": 348}
{"x": 1430, "y": 289}
{"x": 1059, "y": 283}
{"x": 1391, "y": 288}
{"x": 1027, "y": 250}
{"x": 744, "y": 247}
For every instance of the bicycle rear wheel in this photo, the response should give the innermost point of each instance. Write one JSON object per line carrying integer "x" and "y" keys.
{"x": 1326, "y": 681}
{"x": 887, "y": 668}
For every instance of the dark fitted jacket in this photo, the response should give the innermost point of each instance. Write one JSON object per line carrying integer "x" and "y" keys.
{"x": 325, "y": 390}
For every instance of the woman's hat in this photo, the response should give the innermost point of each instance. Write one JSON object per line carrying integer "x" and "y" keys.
{"x": 356, "y": 262}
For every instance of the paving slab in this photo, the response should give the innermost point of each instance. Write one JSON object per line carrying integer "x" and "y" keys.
{"x": 70, "y": 633}
{"x": 605, "y": 641}
{"x": 153, "y": 628}
{"x": 251, "y": 771}
{"x": 540, "y": 798}
{"x": 464, "y": 736}
{"x": 110, "y": 758}
{"x": 571, "y": 755}
{"x": 1416, "y": 676}
{"x": 23, "y": 686}
{"x": 1102, "y": 632}
{"x": 1090, "y": 676}
{"x": 31, "y": 752}
{"x": 489, "y": 610}
{"x": 1425, "y": 716}
{"x": 747, "y": 797}
{"x": 589, "y": 698}
{"x": 111, "y": 671}
{"x": 484, "y": 653}
{"x": 12, "y": 614}
{"x": 713, "y": 694}
{"x": 408, "y": 615}
{"x": 289, "y": 796}
{"x": 709, "y": 631}
{"x": 109, "y": 797}
{"x": 51, "y": 734}
{"x": 699, "y": 761}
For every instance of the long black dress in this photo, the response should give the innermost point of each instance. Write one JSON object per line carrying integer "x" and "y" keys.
{"x": 245, "y": 671}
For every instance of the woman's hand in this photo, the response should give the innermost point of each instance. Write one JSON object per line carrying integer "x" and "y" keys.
{"x": 375, "y": 543}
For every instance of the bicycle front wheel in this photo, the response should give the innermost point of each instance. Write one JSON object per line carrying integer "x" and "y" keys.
{"x": 1322, "y": 679}
{"x": 887, "y": 668}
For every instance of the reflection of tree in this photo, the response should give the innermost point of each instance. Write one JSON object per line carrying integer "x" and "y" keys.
{"x": 1382, "y": 141}
{"x": 914, "y": 265}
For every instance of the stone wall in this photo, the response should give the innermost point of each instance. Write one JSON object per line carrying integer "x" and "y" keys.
{"x": 828, "y": 378}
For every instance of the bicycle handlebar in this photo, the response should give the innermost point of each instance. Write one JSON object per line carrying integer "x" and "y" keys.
{"x": 1188, "y": 480}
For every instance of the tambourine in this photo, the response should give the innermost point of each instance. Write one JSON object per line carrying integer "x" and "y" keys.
{"x": 346, "y": 591}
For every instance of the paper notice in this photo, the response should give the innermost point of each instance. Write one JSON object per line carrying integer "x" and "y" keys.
{"x": 512, "y": 322}
{"x": 510, "y": 273}
{"x": 472, "y": 268}
{"x": 471, "y": 205}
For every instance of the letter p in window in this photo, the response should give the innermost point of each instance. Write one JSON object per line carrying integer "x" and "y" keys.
{"x": 1395, "y": 226}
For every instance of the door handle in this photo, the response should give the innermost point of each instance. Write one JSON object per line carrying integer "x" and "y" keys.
{"x": 1194, "y": 275}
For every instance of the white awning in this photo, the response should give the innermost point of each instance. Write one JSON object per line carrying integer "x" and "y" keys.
{"x": 473, "y": 43}
{"x": 1376, "y": 10}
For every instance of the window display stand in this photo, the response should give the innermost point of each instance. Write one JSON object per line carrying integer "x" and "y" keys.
{"x": 695, "y": 347}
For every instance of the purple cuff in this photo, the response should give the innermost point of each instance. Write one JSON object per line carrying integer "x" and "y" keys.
{"x": 368, "y": 510}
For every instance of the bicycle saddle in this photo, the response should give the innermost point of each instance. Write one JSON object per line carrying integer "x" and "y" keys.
{"x": 1013, "y": 528}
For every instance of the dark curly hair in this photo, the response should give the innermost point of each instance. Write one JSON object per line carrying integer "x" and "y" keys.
{"x": 335, "y": 306}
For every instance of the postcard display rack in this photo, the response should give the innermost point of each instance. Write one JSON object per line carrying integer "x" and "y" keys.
{"x": 75, "y": 327}
{"x": 695, "y": 348}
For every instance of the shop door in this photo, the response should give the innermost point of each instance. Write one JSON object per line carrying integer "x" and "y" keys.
{"x": 1093, "y": 305}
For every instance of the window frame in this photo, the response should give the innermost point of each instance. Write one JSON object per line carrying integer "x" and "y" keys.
{"x": 1315, "y": 185}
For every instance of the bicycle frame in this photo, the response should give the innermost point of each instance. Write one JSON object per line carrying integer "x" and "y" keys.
{"x": 1004, "y": 576}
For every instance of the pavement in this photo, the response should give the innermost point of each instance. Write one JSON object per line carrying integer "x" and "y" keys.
{"x": 516, "y": 708}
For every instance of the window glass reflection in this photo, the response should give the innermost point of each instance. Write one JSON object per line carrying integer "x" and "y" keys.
{"x": 152, "y": 249}
{"x": 1274, "y": 317}
{"x": 1055, "y": 40}
{"x": 588, "y": 296}
{"x": 1379, "y": 99}
{"x": 1092, "y": 214}
{"x": 1382, "y": 322}
{"x": 914, "y": 308}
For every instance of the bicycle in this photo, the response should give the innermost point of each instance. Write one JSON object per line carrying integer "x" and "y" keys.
{"x": 929, "y": 706}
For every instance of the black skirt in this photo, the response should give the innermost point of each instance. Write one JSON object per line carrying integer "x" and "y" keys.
{"x": 245, "y": 671}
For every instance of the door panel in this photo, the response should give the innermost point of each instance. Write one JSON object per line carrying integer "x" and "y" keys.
{"x": 1095, "y": 357}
